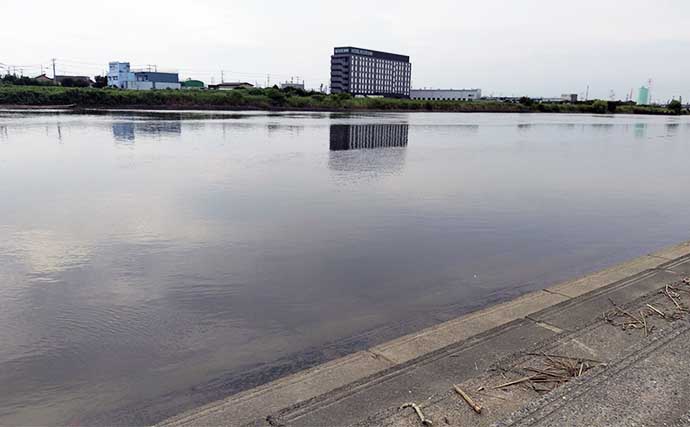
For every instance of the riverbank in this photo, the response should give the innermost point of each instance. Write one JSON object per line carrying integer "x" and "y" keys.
{"x": 491, "y": 347}
{"x": 273, "y": 99}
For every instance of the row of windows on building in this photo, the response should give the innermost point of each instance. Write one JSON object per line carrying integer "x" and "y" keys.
{"x": 467, "y": 98}
{"x": 374, "y": 75}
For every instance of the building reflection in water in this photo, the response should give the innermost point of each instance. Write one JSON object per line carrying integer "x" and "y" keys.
{"x": 126, "y": 132}
{"x": 355, "y": 137}
{"x": 351, "y": 158}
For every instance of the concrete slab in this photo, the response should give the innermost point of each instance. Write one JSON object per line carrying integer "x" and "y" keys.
{"x": 365, "y": 379}
{"x": 592, "y": 282}
{"x": 417, "y": 381}
{"x": 599, "y": 340}
{"x": 649, "y": 386}
{"x": 673, "y": 252}
{"x": 247, "y": 406}
{"x": 415, "y": 345}
{"x": 680, "y": 266}
{"x": 574, "y": 313}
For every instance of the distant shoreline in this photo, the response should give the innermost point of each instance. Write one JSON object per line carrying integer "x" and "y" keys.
{"x": 288, "y": 109}
{"x": 273, "y": 99}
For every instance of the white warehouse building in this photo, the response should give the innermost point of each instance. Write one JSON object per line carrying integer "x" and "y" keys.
{"x": 446, "y": 94}
{"x": 120, "y": 75}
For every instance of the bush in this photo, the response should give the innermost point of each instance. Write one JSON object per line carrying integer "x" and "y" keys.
{"x": 526, "y": 101}
{"x": 600, "y": 107}
{"x": 70, "y": 82}
{"x": 675, "y": 106}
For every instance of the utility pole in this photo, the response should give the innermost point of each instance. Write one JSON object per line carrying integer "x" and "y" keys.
{"x": 54, "y": 75}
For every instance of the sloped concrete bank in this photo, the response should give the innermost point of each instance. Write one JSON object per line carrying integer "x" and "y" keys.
{"x": 368, "y": 387}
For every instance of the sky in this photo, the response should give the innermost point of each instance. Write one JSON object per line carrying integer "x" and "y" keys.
{"x": 505, "y": 47}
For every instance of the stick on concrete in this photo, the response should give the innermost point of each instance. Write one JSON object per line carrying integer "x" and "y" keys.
{"x": 468, "y": 399}
{"x": 418, "y": 411}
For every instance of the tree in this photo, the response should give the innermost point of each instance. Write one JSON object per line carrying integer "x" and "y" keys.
{"x": 675, "y": 106}
{"x": 70, "y": 82}
{"x": 600, "y": 107}
{"x": 100, "y": 82}
{"x": 12, "y": 79}
{"x": 526, "y": 101}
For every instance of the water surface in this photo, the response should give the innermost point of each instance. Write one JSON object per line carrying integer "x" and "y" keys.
{"x": 154, "y": 261}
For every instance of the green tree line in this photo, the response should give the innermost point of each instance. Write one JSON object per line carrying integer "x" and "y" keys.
{"x": 284, "y": 99}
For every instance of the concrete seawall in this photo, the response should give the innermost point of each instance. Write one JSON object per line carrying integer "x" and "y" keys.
{"x": 500, "y": 329}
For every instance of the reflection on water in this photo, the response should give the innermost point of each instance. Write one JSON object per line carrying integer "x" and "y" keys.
{"x": 355, "y": 137}
{"x": 672, "y": 128}
{"x": 125, "y": 132}
{"x": 241, "y": 247}
{"x": 640, "y": 130}
{"x": 352, "y": 156}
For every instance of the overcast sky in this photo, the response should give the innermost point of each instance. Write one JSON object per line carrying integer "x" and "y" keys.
{"x": 504, "y": 47}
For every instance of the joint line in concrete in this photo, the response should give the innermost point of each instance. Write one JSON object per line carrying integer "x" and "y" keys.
{"x": 377, "y": 355}
{"x": 549, "y": 291}
{"x": 660, "y": 257}
{"x": 546, "y": 325}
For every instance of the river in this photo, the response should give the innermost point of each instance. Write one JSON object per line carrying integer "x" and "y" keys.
{"x": 151, "y": 262}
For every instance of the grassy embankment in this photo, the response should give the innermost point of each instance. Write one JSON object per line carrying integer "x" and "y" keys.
{"x": 275, "y": 99}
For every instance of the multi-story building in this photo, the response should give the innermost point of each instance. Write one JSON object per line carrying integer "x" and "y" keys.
{"x": 446, "y": 94}
{"x": 370, "y": 73}
{"x": 643, "y": 97}
{"x": 120, "y": 75}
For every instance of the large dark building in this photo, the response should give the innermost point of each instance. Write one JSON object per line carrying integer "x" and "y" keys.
{"x": 370, "y": 73}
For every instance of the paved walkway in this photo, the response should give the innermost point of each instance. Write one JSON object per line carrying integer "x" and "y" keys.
{"x": 492, "y": 347}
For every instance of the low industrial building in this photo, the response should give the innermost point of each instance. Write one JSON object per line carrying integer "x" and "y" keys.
{"x": 231, "y": 86}
{"x": 292, "y": 85}
{"x": 192, "y": 84}
{"x": 446, "y": 94}
{"x": 120, "y": 75}
{"x": 569, "y": 97}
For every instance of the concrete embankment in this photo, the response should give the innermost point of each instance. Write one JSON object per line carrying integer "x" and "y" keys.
{"x": 495, "y": 346}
